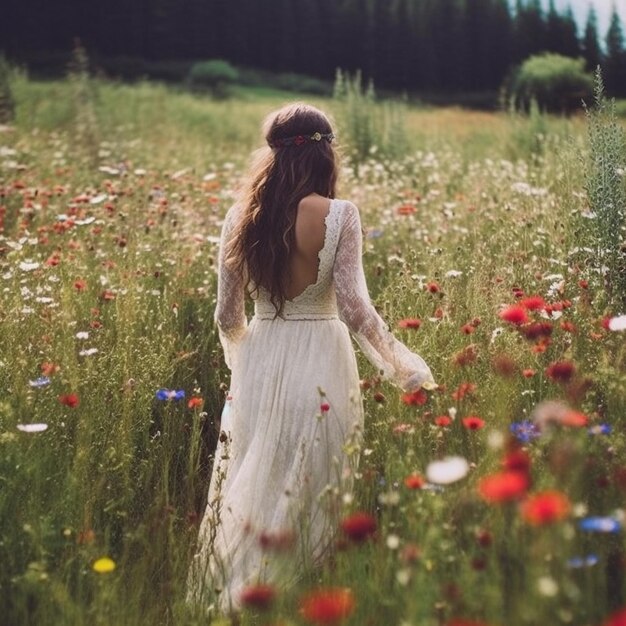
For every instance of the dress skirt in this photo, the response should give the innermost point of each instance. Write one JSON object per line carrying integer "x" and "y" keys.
{"x": 281, "y": 462}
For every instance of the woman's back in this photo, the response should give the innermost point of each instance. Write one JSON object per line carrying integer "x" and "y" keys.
{"x": 310, "y": 231}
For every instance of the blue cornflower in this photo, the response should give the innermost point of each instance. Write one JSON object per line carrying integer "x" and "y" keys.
{"x": 578, "y": 562}
{"x": 600, "y": 525}
{"x": 601, "y": 429}
{"x": 525, "y": 430}
{"x": 42, "y": 381}
{"x": 170, "y": 394}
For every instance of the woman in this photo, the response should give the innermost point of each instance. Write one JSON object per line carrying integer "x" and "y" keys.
{"x": 295, "y": 398}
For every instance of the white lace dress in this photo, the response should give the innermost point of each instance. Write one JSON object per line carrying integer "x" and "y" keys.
{"x": 295, "y": 402}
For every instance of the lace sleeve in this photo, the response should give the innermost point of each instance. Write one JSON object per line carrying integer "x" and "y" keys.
{"x": 385, "y": 352}
{"x": 230, "y": 310}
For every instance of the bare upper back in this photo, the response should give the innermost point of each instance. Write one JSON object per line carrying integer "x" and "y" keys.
{"x": 310, "y": 231}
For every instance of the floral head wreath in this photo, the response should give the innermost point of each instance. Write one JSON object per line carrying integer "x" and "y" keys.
{"x": 299, "y": 140}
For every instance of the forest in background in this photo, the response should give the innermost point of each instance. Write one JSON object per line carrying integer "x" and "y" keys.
{"x": 410, "y": 45}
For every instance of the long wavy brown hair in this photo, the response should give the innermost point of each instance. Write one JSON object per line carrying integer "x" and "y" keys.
{"x": 264, "y": 236}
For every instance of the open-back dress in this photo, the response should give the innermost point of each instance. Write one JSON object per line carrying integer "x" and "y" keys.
{"x": 294, "y": 403}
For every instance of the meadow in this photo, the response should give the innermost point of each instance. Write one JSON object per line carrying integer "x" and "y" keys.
{"x": 495, "y": 500}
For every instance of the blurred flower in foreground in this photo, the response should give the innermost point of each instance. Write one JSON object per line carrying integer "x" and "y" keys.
{"x": 448, "y": 470}
{"x": 359, "y": 526}
{"x": 32, "y": 428}
{"x": 601, "y": 429}
{"x": 525, "y": 431}
{"x": 329, "y": 605}
{"x": 258, "y": 596}
{"x": 503, "y": 487}
{"x": 600, "y": 525}
{"x": 170, "y": 394}
{"x": 617, "y": 323}
{"x": 557, "y": 412}
{"x": 103, "y": 565}
{"x": 545, "y": 508}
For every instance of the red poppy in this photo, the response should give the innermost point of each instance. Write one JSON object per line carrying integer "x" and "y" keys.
{"x": 69, "y": 399}
{"x": 537, "y": 330}
{"x": 583, "y": 284}
{"x": 574, "y": 419}
{"x": 568, "y": 327}
{"x": 463, "y": 390}
{"x": 414, "y": 481}
{"x": 80, "y": 284}
{"x": 107, "y": 295}
{"x": 324, "y": 407}
{"x": 503, "y": 487}
{"x": 544, "y": 508}
{"x": 533, "y": 303}
{"x": 258, "y": 596}
{"x": 468, "y": 329}
{"x": 195, "y": 402}
{"x": 433, "y": 287}
{"x": 514, "y": 314}
{"x": 406, "y": 209}
{"x": 466, "y": 356}
{"x": 329, "y": 605}
{"x": 560, "y": 371}
{"x": 517, "y": 460}
{"x": 443, "y": 420}
{"x": 359, "y": 526}
{"x": 473, "y": 422}
{"x": 48, "y": 368}
{"x": 410, "y": 323}
{"x": 528, "y": 372}
{"x": 416, "y": 398}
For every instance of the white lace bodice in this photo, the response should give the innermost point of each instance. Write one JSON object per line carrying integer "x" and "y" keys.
{"x": 339, "y": 291}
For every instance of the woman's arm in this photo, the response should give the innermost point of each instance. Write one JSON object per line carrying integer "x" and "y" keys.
{"x": 230, "y": 310}
{"x": 407, "y": 369}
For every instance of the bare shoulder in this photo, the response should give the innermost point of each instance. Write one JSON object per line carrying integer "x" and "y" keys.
{"x": 311, "y": 222}
{"x": 313, "y": 209}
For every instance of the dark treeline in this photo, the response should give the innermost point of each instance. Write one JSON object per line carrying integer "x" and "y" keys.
{"x": 435, "y": 45}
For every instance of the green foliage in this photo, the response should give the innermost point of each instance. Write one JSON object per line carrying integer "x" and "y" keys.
{"x": 286, "y": 81}
{"x": 7, "y": 104}
{"x": 86, "y": 132}
{"x": 557, "y": 83}
{"x": 368, "y": 127}
{"x": 215, "y": 75}
{"x": 606, "y": 190}
{"x": 528, "y": 136}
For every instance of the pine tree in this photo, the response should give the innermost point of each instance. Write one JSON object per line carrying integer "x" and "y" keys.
{"x": 616, "y": 57}
{"x": 529, "y": 29}
{"x": 591, "y": 44}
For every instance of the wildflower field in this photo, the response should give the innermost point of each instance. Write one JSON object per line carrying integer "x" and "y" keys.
{"x": 494, "y": 248}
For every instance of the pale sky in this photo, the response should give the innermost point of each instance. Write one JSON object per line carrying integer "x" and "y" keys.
{"x": 604, "y": 9}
